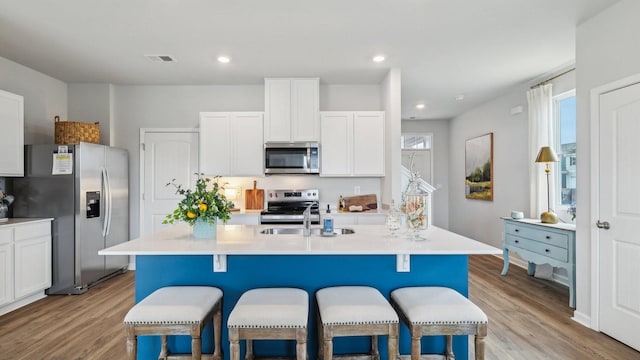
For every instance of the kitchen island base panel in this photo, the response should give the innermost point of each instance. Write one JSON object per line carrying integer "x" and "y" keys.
{"x": 308, "y": 272}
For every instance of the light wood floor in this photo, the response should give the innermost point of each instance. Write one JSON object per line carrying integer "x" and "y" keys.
{"x": 529, "y": 318}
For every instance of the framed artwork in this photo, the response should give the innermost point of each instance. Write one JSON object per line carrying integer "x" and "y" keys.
{"x": 478, "y": 163}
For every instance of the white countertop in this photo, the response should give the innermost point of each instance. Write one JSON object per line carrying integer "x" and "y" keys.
{"x": 560, "y": 225}
{"x": 16, "y": 221}
{"x": 247, "y": 240}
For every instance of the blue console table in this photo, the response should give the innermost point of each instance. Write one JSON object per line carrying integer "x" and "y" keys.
{"x": 538, "y": 243}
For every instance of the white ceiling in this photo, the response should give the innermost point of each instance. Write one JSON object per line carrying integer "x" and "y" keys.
{"x": 443, "y": 48}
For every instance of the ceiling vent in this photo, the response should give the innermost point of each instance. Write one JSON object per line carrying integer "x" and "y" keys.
{"x": 160, "y": 58}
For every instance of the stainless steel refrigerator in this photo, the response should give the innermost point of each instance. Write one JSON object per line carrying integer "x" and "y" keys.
{"x": 87, "y": 194}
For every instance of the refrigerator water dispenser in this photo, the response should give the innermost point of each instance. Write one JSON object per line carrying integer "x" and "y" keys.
{"x": 93, "y": 204}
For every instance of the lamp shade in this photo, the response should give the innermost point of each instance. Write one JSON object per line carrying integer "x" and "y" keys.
{"x": 546, "y": 155}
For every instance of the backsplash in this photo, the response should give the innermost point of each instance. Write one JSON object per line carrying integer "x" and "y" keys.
{"x": 330, "y": 188}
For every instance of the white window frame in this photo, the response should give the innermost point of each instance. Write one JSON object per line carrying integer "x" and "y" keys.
{"x": 558, "y": 207}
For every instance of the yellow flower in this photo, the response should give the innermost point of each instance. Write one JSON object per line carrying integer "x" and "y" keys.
{"x": 202, "y": 207}
{"x": 191, "y": 215}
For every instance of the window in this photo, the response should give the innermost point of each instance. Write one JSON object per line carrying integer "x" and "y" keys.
{"x": 564, "y": 106}
{"x": 415, "y": 142}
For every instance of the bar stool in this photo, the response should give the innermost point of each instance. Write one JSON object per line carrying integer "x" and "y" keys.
{"x": 432, "y": 310}
{"x": 176, "y": 310}
{"x": 268, "y": 314}
{"x": 355, "y": 311}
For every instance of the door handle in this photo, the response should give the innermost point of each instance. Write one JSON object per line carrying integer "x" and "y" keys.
{"x": 603, "y": 225}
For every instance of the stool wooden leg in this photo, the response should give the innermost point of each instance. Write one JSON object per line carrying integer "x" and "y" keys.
{"x": 320, "y": 338}
{"x": 416, "y": 334}
{"x": 164, "y": 348}
{"x": 196, "y": 342}
{"x": 301, "y": 344}
{"x": 217, "y": 333}
{"x": 132, "y": 342}
{"x": 234, "y": 344}
{"x": 449, "y": 352}
{"x": 249, "y": 355}
{"x": 375, "y": 354}
{"x": 479, "y": 342}
{"x": 327, "y": 342}
{"x": 392, "y": 342}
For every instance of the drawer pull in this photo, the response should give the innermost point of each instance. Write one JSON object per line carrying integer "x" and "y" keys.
{"x": 547, "y": 250}
{"x": 517, "y": 241}
{"x": 517, "y": 230}
{"x": 548, "y": 237}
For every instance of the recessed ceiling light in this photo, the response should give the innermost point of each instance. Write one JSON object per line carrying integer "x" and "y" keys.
{"x": 420, "y": 106}
{"x": 223, "y": 59}
{"x": 378, "y": 58}
{"x": 460, "y": 97}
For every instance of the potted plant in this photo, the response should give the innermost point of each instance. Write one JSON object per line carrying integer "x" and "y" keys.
{"x": 201, "y": 207}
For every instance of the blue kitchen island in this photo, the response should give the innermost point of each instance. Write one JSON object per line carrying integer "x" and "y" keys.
{"x": 243, "y": 258}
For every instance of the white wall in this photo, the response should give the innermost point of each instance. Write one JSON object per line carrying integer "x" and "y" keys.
{"x": 44, "y": 98}
{"x": 350, "y": 97}
{"x": 391, "y": 100}
{"x": 607, "y": 50}
{"x": 478, "y": 219}
{"x": 92, "y": 103}
{"x": 138, "y": 107}
{"x": 440, "y": 151}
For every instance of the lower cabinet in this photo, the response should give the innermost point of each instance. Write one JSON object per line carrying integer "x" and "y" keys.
{"x": 244, "y": 219}
{"x": 343, "y": 219}
{"x": 25, "y": 260}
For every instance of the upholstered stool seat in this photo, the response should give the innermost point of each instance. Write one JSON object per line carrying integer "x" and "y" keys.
{"x": 433, "y": 310}
{"x": 269, "y": 313}
{"x": 355, "y": 311}
{"x": 176, "y": 310}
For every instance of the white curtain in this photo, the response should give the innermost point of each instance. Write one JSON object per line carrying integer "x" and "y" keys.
{"x": 540, "y": 134}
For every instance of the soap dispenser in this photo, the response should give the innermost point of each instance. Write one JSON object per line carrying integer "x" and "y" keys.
{"x": 327, "y": 226}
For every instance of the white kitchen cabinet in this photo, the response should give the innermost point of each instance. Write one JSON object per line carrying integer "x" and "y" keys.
{"x": 12, "y": 144}
{"x": 352, "y": 143}
{"x": 32, "y": 261}
{"x": 353, "y": 218}
{"x": 231, "y": 143}
{"x": 244, "y": 219}
{"x": 25, "y": 260}
{"x": 292, "y": 108}
{"x": 6, "y": 266}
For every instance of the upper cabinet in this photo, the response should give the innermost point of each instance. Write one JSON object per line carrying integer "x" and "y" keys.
{"x": 231, "y": 143}
{"x": 352, "y": 143}
{"x": 292, "y": 109}
{"x": 12, "y": 143}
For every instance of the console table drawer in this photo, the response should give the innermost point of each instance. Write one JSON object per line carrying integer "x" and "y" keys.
{"x": 536, "y": 233}
{"x": 547, "y": 250}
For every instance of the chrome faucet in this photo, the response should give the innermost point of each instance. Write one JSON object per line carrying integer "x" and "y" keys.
{"x": 306, "y": 220}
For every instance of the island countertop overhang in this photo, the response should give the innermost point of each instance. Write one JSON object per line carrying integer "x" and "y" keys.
{"x": 247, "y": 240}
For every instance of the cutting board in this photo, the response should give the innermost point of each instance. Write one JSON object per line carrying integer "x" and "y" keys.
{"x": 368, "y": 202}
{"x": 254, "y": 198}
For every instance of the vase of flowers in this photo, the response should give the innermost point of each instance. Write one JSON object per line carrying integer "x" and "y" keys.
{"x": 202, "y": 206}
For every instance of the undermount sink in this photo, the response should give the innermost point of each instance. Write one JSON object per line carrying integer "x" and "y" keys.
{"x": 300, "y": 231}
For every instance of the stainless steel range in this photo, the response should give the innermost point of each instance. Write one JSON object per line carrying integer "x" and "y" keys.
{"x": 287, "y": 206}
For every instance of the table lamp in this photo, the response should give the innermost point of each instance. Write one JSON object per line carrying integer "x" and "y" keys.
{"x": 546, "y": 156}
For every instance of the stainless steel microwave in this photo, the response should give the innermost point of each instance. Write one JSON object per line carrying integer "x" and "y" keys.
{"x": 291, "y": 158}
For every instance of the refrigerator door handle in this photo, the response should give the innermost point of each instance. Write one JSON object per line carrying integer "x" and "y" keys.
{"x": 106, "y": 225}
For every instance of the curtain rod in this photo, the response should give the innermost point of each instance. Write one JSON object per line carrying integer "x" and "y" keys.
{"x": 552, "y": 78}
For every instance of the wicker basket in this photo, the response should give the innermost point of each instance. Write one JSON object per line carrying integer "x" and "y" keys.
{"x": 71, "y": 132}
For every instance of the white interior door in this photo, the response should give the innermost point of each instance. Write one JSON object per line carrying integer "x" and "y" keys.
{"x": 619, "y": 199}
{"x": 422, "y": 161}
{"x": 167, "y": 155}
